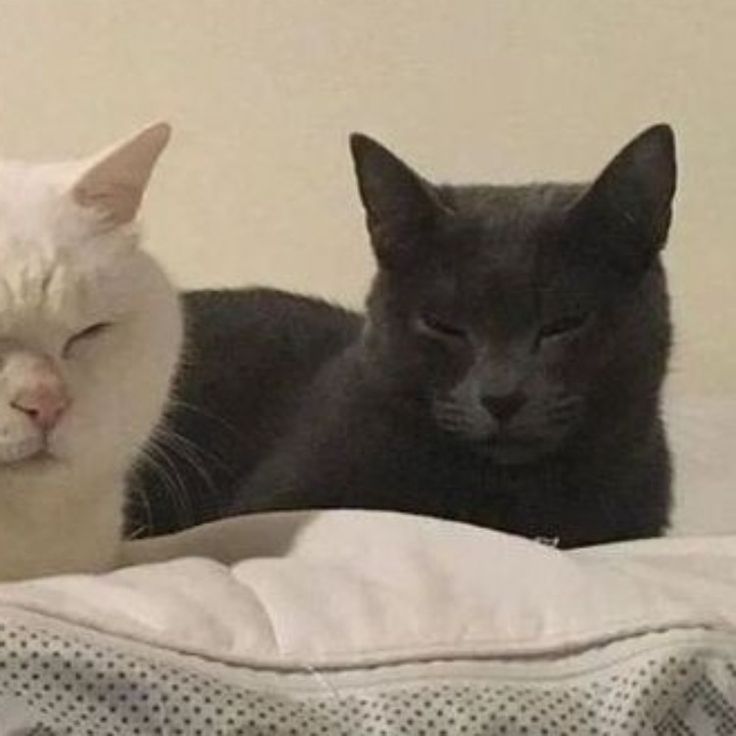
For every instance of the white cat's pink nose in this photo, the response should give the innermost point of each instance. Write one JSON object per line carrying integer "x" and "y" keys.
{"x": 44, "y": 403}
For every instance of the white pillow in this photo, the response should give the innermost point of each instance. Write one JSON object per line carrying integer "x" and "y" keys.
{"x": 337, "y": 588}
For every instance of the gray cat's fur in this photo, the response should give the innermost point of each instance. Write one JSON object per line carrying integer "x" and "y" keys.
{"x": 508, "y": 373}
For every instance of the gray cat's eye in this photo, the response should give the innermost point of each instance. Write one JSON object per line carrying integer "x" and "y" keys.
{"x": 88, "y": 332}
{"x": 439, "y": 329}
{"x": 562, "y": 326}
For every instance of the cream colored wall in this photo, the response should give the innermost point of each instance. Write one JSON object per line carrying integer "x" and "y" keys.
{"x": 257, "y": 185}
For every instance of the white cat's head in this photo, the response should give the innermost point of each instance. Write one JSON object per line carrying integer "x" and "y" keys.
{"x": 90, "y": 327}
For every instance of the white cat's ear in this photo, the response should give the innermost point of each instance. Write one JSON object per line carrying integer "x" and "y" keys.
{"x": 114, "y": 182}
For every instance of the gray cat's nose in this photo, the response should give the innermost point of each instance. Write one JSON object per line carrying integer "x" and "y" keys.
{"x": 504, "y": 407}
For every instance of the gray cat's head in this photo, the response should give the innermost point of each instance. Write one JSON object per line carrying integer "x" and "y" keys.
{"x": 514, "y": 309}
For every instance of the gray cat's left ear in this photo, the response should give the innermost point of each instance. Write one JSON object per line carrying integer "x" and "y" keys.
{"x": 626, "y": 212}
{"x": 114, "y": 183}
{"x": 400, "y": 206}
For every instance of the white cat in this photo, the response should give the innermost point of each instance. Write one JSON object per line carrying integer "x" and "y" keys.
{"x": 90, "y": 332}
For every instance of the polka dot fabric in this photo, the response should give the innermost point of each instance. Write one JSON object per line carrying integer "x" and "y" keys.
{"x": 58, "y": 683}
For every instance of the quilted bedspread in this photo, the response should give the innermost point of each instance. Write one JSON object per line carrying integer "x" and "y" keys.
{"x": 347, "y": 622}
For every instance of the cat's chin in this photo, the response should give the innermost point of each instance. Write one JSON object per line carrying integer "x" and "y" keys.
{"x": 516, "y": 452}
{"x": 31, "y": 451}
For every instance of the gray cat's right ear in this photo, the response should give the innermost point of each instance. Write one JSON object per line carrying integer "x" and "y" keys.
{"x": 400, "y": 206}
{"x": 625, "y": 215}
{"x": 114, "y": 182}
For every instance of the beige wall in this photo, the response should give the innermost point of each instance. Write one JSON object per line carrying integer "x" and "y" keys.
{"x": 257, "y": 185}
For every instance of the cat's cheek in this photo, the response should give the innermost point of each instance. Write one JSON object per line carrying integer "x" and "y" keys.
{"x": 60, "y": 440}
{"x": 554, "y": 360}
{"x": 77, "y": 444}
{"x": 442, "y": 365}
{"x": 87, "y": 350}
{"x": 567, "y": 362}
{"x": 586, "y": 360}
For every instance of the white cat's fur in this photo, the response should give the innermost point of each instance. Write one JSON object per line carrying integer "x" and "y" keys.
{"x": 69, "y": 259}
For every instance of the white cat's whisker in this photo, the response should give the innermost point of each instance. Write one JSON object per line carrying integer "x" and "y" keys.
{"x": 177, "y": 445}
{"x": 174, "y": 401}
{"x": 175, "y": 489}
{"x": 187, "y": 443}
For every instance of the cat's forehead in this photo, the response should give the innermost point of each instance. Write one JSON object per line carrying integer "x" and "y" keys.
{"x": 37, "y": 217}
{"x": 512, "y": 214}
{"x": 40, "y": 293}
{"x": 50, "y": 265}
{"x": 485, "y": 259}
{"x": 30, "y": 193}
{"x": 494, "y": 234}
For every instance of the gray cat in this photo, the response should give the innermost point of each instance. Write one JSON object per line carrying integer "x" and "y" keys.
{"x": 507, "y": 372}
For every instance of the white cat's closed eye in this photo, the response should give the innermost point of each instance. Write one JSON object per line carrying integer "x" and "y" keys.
{"x": 86, "y": 333}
